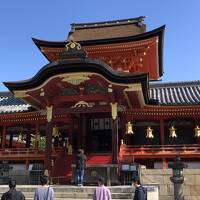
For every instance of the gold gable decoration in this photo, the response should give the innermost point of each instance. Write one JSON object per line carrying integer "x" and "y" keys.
{"x": 73, "y": 45}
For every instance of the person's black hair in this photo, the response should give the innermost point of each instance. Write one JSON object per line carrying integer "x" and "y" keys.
{"x": 44, "y": 180}
{"x": 79, "y": 151}
{"x": 12, "y": 183}
{"x": 136, "y": 180}
{"x": 101, "y": 180}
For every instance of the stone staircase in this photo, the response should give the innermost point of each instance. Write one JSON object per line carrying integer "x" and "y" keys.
{"x": 74, "y": 192}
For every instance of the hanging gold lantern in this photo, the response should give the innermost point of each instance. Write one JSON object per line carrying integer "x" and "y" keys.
{"x": 55, "y": 131}
{"x": 172, "y": 131}
{"x": 129, "y": 128}
{"x": 197, "y": 132}
{"x": 37, "y": 136}
{"x": 20, "y": 137}
{"x": 149, "y": 131}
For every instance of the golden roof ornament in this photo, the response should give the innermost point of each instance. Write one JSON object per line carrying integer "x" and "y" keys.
{"x": 149, "y": 131}
{"x": 129, "y": 128}
{"x": 72, "y": 45}
{"x": 197, "y": 131}
{"x": 73, "y": 50}
{"x": 172, "y": 131}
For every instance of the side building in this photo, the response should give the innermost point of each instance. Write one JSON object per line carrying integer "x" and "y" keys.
{"x": 100, "y": 93}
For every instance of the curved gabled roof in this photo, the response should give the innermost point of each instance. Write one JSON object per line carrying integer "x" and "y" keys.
{"x": 159, "y": 32}
{"x": 79, "y": 65}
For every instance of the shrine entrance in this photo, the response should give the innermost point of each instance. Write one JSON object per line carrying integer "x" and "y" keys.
{"x": 99, "y": 138}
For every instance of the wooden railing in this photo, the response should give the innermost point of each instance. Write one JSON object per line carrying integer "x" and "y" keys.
{"x": 159, "y": 150}
{"x": 24, "y": 153}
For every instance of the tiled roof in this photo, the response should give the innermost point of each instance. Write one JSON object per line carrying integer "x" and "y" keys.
{"x": 108, "y": 29}
{"x": 178, "y": 93}
{"x": 10, "y": 104}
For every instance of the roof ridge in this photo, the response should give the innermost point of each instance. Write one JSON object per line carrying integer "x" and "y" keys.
{"x": 5, "y": 93}
{"x": 135, "y": 20}
{"x": 172, "y": 84}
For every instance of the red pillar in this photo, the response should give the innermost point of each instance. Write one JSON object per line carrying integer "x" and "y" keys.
{"x": 164, "y": 163}
{"x": 83, "y": 126}
{"x": 48, "y": 147}
{"x": 4, "y": 137}
{"x": 27, "y": 164}
{"x": 123, "y": 124}
{"x": 162, "y": 142}
{"x": 115, "y": 135}
{"x": 28, "y": 138}
{"x": 70, "y": 131}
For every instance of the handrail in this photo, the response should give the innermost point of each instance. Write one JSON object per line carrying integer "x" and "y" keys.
{"x": 131, "y": 150}
{"x": 26, "y": 151}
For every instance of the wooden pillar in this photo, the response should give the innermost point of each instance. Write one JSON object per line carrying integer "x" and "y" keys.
{"x": 164, "y": 163}
{"x": 27, "y": 164}
{"x": 115, "y": 148}
{"x": 162, "y": 136}
{"x": 48, "y": 146}
{"x": 28, "y": 138}
{"x": 162, "y": 142}
{"x": 4, "y": 137}
{"x": 79, "y": 133}
{"x": 83, "y": 127}
{"x": 70, "y": 136}
{"x": 123, "y": 124}
{"x": 11, "y": 140}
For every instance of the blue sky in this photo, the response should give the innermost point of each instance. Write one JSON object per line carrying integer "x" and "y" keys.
{"x": 50, "y": 20}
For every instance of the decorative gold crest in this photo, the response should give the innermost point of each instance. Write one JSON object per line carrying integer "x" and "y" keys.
{"x": 76, "y": 79}
{"x": 73, "y": 45}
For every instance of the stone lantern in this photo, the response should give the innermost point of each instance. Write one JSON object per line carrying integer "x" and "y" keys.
{"x": 177, "y": 179}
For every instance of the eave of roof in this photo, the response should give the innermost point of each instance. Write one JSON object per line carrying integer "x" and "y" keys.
{"x": 61, "y": 44}
{"x": 159, "y": 32}
{"x": 176, "y": 93}
{"x": 10, "y": 104}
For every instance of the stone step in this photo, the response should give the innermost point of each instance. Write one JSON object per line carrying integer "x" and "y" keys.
{"x": 81, "y": 195}
{"x": 74, "y": 192}
{"x": 85, "y": 189}
{"x": 76, "y": 199}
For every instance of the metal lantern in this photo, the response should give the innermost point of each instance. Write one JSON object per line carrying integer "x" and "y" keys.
{"x": 197, "y": 132}
{"x": 149, "y": 131}
{"x": 129, "y": 128}
{"x": 172, "y": 131}
{"x": 55, "y": 131}
{"x": 20, "y": 137}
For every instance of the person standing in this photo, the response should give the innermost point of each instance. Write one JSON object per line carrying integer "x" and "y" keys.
{"x": 80, "y": 166}
{"x": 44, "y": 192}
{"x": 140, "y": 191}
{"x": 13, "y": 194}
{"x": 102, "y": 192}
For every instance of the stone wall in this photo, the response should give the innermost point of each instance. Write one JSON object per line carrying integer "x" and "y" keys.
{"x": 162, "y": 177}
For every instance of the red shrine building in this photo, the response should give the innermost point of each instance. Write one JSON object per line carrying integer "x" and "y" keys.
{"x": 100, "y": 92}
